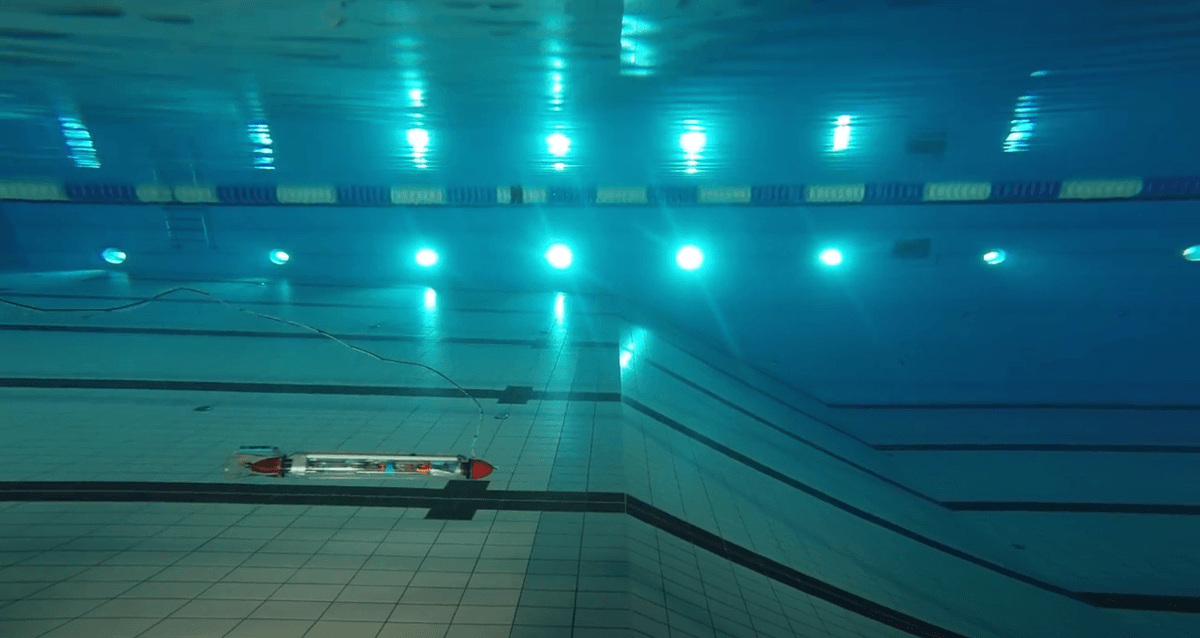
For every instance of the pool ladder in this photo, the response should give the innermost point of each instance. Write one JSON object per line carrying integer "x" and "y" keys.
{"x": 187, "y": 227}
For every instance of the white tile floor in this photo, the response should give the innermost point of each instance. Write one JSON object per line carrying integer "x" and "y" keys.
{"x": 81, "y": 569}
{"x": 515, "y": 574}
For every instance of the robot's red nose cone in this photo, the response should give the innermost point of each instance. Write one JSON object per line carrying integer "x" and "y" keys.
{"x": 268, "y": 466}
{"x": 480, "y": 468}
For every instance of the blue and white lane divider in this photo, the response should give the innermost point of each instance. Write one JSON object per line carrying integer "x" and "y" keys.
{"x": 863, "y": 193}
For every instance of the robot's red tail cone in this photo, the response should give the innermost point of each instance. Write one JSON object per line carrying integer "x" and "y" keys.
{"x": 480, "y": 468}
{"x": 272, "y": 465}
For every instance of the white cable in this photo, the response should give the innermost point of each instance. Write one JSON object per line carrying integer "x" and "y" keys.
{"x": 355, "y": 348}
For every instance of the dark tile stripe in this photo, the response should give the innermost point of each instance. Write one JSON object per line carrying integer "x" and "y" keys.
{"x": 1133, "y": 407}
{"x": 512, "y": 394}
{"x": 259, "y": 334}
{"x": 1142, "y": 602}
{"x": 576, "y": 395}
{"x": 1088, "y": 508}
{"x": 789, "y": 434}
{"x": 516, "y": 395}
{"x": 232, "y": 386}
{"x": 195, "y": 299}
{"x": 266, "y": 302}
{"x": 782, "y": 573}
{"x": 1036, "y": 447}
{"x": 842, "y": 505}
{"x": 300, "y": 493}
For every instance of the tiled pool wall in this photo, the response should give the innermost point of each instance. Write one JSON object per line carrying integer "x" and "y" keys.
{"x": 750, "y": 473}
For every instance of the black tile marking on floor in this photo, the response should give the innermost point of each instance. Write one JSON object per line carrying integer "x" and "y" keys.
{"x": 1132, "y": 407}
{"x": 791, "y": 435}
{"x": 281, "y": 492}
{"x": 842, "y": 505}
{"x": 237, "y": 386}
{"x": 1143, "y": 602}
{"x": 1081, "y": 508}
{"x": 576, "y": 395}
{"x": 782, "y": 573}
{"x": 264, "y": 334}
{"x": 516, "y": 394}
{"x": 511, "y": 394}
{"x": 189, "y": 283}
{"x": 460, "y": 501}
{"x": 1036, "y": 447}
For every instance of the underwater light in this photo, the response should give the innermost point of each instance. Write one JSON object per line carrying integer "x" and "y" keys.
{"x": 559, "y": 256}
{"x": 426, "y": 257}
{"x": 113, "y": 256}
{"x": 689, "y": 258}
{"x": 831, "y": 257}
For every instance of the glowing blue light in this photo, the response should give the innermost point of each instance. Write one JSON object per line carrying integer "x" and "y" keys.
{"x": 1038, "y": 74}
{"x": 633, "y": 25}
{"x": 260, "y": 136}
{"x": 278, "y": 257}
{"x": 560, "y": 306}
{"x": 841, "y": 134}
{"x": 418, "y": 138}
{"x": 426, "y": 257}
{"x": 1020, "y": 131}
{"x": 559, "y": 166}
{"x": 415, "y": 95}
{"x": 558, "y": 144}
{"x": 692, "y": 142}
{"x": 559, "y": 256}
{"x": 637, "y": 52}
{"x": 626, "y": 356}
{"x": 841, "y": 138}
{"x": 113, "y": 255}
{"x": 993, "y": 257}
{"x": 79, "y": 143}
{"x": 1192, "y": 253}
{"x": 689, "y": 258}
{"x": 430, "y": 299}
{"x": 831, "y": 257}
